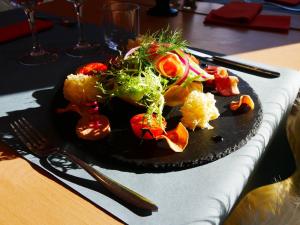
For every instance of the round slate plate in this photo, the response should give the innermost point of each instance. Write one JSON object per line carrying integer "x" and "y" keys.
{"x": 122, "y": 146}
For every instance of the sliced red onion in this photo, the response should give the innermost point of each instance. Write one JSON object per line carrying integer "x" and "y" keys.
{"x": 184, "y": 59}
{"x": 130, "y": 52}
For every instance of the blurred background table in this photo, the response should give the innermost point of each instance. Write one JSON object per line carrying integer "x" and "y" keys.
{"x": 32, "y": 195}
{"x": 272, "y": 48}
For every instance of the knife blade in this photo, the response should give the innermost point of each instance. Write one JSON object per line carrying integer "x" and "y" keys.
{"x": 220, "y": 61}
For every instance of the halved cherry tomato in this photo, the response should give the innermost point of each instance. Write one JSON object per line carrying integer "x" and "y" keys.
{"x": 93, "y": 127}
{"x": 92, "y": 68}
{"x": 147, "y": 128}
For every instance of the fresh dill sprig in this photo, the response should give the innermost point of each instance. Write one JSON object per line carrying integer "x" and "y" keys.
{"x": 166, "y": 36}
{"x": 165, "y": 39}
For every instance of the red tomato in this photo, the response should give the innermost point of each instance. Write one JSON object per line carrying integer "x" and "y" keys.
{"x": 147, "y": 129}
{"x": 92, "y": 68}
{"x": 93, "y": 127}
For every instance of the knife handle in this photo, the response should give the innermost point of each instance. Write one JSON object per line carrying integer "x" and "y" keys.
{"x": 244, "y": 67}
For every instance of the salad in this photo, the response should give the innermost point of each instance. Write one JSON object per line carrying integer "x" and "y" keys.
{"x": 156, "y": 71}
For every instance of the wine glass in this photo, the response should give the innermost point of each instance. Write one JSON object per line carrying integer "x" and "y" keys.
{"x": 120, "y": 23}
{"x": 82, "y": 48}
{"x": 38, "y": 55}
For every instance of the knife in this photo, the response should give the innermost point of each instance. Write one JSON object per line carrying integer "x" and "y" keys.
{"x": 234, "y": 65}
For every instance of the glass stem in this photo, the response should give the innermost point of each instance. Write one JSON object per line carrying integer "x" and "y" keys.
{"x": 36, "y": 47}
{"x": 78, "y": 7}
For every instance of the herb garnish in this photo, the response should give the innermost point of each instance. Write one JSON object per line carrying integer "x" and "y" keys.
{"x": 134, "y": 78}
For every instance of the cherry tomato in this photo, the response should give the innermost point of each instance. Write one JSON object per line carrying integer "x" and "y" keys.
{"x": 146, "y": 128}
{"x": 92, "y": 68}
{"x": 93, "y": 127}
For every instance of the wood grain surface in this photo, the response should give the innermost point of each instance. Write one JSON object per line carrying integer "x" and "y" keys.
{"x": 30, "y": 196}
{"x": 284, "y": 56}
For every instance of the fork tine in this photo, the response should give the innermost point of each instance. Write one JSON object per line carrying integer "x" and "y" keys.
{"x": 25, "y": 131}
{"x": 22, "y": 135}
{"x": 33, "y": 131}
{"x": 28, "y": 134}
{"x": 24, "y": 140}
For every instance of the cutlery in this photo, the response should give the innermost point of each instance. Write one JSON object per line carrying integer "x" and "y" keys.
{"x": 234, "y": 65}
{"x": 37, "y": 144}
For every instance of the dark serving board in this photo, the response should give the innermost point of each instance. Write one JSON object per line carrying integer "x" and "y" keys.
{"x": 123, "y": 147}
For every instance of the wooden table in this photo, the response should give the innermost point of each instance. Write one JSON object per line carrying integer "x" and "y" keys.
{"x": 29, "y": 195}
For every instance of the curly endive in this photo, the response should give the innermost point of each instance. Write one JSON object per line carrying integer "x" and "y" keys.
{"x": 278, "y": 203}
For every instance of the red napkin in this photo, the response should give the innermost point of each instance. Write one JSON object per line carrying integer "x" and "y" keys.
{"x": 21, "y": 29}
{"x": 242, "y": 14}
{"x": 286, "y": 2}
{"x": 236, "y": 11}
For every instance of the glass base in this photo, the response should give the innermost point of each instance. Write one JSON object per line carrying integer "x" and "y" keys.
{"x": 33, "y": 60}
{"x": 162, "y": 11}
{"x": 84, "y": 50}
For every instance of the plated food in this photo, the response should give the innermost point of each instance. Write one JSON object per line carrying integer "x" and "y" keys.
{"x": 154, "y": 73}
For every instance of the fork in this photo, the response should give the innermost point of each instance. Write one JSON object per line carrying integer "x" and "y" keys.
{"x": 38, "y": 144}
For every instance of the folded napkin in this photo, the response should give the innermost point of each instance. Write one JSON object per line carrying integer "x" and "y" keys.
{"x": 237, "y": 12}
{"x": 21, "y": 29}
{"x": 286, "y": 2}
{"x": 242, "y": 14}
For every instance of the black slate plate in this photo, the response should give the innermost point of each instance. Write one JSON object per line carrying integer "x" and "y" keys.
{"x": 123, "y": 147}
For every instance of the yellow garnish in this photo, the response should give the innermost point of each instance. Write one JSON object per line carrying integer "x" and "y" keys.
{"x": 199, "y": 108}
{"x": 80, "y": 88}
